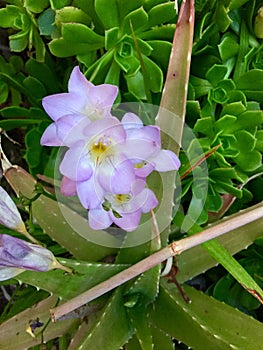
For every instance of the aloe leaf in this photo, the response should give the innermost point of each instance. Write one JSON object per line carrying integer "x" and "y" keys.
{"x": 67, "y": 228}
{"x": 13, "y": 331}
{"x": 140, "y": 321}
{"x": 85, "y": 275}
{"x": 199, "y": 324}
{"x": 113, "y": 328}
{"x": 221, "y": 251}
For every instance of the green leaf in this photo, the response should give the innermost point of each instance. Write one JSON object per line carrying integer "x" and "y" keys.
{"x": 226, "y": 124}
{"x": 4, "y": 91}
{"x": 44, "y": 74}
{"x": 259, "y": 142}
{"x": 146, "y": 287}
{"x": 245, "y": 141}
{"x": 197, "y": 260}
{"x": 205, "y": 126}
{"x": 165, "y": 32}
{"x": 71, "y": 14}
{"x": 85, "y": 276}
{"x": 221, "y": 17}
{"x": 195, "y": 324}
{"x": 140, "y": 322}
{"x": 216, "y": 74}
{"x": 160, "y": 52}
{"x": 248, "y": 119}
{"x": 249, "y": 161}
{"x": 228, "y": 47}
{"x": 46, "y": 22}
{"x": 111, "y": 37}
{"x": 154, "y": 75}
{"x": 137, "y": 19}
{"x": 161, "y": 339}
{"x": 17, "y": 335}
{"x": 14, "y": 112}
{"x": 35, "y": 88}
{"x": 17, "y": 123}
{"x": 18, "y": 42}
{"x": 251, "y": 83}
{"x": 36, "y": 6}
{"x": 161, "y": 13}
{"x": 113, "y": 329}
{"x": 109, "y": 18}
{"x": 234, "y": 108}
{"x": 85, "y": 35}
{"x": 58, "y": 4}
{"x": 126, "y": 7}
{"x": 9, "y": 16}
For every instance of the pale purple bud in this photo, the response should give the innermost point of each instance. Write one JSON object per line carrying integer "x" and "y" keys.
{"x": 17, "y": 255}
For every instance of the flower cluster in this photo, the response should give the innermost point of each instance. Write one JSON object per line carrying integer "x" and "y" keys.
{"x": 108, "y": 160}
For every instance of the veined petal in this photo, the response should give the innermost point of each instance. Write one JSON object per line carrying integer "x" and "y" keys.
{"x": 143, "y": 170}
{"x": 75, "y": 165}
{"x": 109, "y": 128}
{"x": 50, "y": 136}
{"x": 68, "y": 187}
{"x": 78, "y": 83}
{"x": 128, "y": 222}
{"x": 149, "y": 200}
{"x": 58, "y": 105}
{"x": 101, "y": 99}
{"x": 15, "y": 252}
{"x": 90, "y": 193}
{"x": 99, "y": 219}
{"x": 9, "y": 272}
{"x": 131, "y": 121}
{"x": 165, "y": 160}
{"x": 70, "y": 128}
{"x": 116, "y": 174}
{"x": 9, "y": 214}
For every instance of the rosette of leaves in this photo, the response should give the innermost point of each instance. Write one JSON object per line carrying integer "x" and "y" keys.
{"x": 130, "y": 40}
{"x": 224, "y": 103}
{"x": 20, "y": 17}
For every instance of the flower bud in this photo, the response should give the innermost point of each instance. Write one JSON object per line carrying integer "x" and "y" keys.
{"x": 9, "y": 215}
{"x": 17, "y": 255}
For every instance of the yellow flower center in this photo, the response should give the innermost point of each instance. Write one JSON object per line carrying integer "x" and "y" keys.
{"x": 122, "y": 198}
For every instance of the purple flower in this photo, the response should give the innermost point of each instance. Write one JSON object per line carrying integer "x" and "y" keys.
{"x": 95, "y": 164}
{"x": 147, "y": 155}
{"x": 123, "y": 209}
{"x": 107, "y": 161}
{"x": 84, "y": 100}
{"x": 17, "y": 255}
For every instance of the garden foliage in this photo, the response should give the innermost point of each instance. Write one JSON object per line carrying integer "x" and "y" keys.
{"x": 125, "y": 47}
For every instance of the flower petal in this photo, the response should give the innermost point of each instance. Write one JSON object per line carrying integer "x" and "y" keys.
{"x": 62, "y": 104}
{"x": 70, "y": 128}
{"x": 68, "y": 187}
{"x": 75, "y": 165}
{"x": 165, "y": 160}
{"x": 101, "y": 99}
{"x": 90, "y": 193}
{"x": 50, "y": 136}
{"x": 116, "y": 175}
{"x": 78, "y": 83}
{"x": 131, "y": 121}
{"x": 99, "y": 219}
{"x": 128, "y": 222}
{"x": 9, "y": 215}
